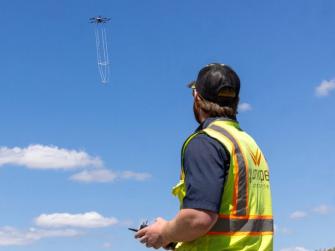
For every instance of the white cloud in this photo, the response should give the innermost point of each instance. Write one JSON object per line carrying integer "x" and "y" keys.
{"x": 294, "y": 249}
{"x": 325, "y": 88}
{"x": 85, "y": 220}
{"x": 46, "y": 157}
{"x": 126, "y": 223}
{"x": 10, "y": 236}
{"x": 135, "y": 176}
{"x": 53, "y": 157}
{"x": 107, "y": 245}
{"x": 99, "y": 175}
{"x": 105, "y": 175}
{"x": 322, "y": 209}
{"x": 298, "y": 215}
{"x": 244, "y": 107}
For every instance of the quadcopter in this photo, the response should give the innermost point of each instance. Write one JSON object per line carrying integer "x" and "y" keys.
{"x": 99, "y": 20}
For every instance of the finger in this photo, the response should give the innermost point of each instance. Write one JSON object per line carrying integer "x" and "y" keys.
{"x": 156, "y": 243}
{"x": 140, "y": 233}
{"x": 144, "y": 239}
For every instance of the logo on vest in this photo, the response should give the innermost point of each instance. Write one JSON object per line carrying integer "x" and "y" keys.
{"x": 258, "y": 177}
{"x": 256, "y": 157}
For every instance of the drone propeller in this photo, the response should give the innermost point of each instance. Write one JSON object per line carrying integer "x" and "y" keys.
{"x": 99, "y": 19}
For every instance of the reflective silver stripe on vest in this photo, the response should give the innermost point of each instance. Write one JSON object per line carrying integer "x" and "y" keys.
{"x": 242, "y": 175}
{"x": 243, "y": 225}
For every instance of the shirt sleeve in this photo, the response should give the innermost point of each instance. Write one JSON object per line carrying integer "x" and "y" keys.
{"x": 206, "y": 164}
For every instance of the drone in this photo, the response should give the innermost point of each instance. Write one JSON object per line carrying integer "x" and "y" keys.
{"x": 99, "y": 20}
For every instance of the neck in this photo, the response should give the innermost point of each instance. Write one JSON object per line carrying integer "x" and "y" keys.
{"x": 202, "y": 116}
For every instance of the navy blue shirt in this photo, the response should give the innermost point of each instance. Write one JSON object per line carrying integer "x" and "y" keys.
{"x": 206, "y": 164}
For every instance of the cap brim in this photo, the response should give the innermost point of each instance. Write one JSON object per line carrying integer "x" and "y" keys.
{"x": 191, "y": 85}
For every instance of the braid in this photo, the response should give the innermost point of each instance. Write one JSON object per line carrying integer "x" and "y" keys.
{"x": 216, "y": 110}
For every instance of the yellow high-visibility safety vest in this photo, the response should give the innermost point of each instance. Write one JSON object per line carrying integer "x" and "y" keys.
{"x": 245, "y": 220}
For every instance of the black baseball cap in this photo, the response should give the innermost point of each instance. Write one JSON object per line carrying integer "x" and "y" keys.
{"x": 217, "y": 83}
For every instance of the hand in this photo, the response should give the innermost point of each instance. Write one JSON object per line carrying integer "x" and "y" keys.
{"x": 152, "y": 235}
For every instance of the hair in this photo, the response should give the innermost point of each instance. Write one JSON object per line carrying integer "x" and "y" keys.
{"x": 215, "y": 110}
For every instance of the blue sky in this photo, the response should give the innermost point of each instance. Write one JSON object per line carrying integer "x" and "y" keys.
{"x": 81, "y": 161}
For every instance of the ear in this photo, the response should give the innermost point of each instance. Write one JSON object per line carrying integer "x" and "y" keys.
{"x": 197, "y": 98}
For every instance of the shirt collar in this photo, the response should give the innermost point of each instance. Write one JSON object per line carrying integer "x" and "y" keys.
{"x": 209, "y": 120}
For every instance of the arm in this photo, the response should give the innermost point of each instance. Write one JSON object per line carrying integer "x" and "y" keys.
{"x": 189, "y": 224}
{"x": 205, "y": 168}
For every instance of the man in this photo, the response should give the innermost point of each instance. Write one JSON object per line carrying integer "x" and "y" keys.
{"x": 224, "y": 188}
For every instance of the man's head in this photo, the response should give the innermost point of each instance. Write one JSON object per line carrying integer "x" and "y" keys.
{"x": 216, "y": 92}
